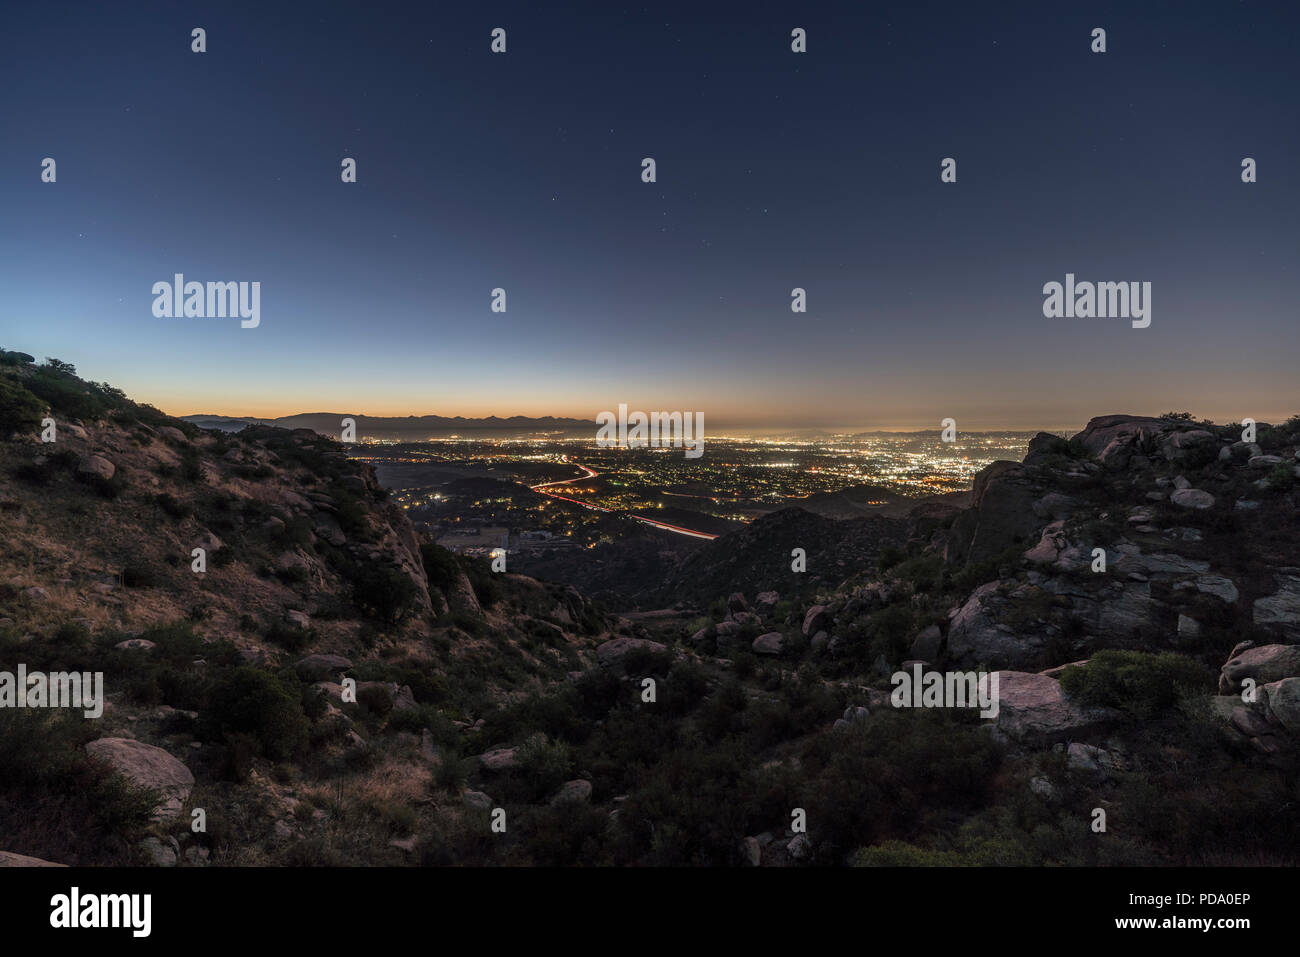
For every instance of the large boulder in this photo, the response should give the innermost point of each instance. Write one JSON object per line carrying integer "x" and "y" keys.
{"x": 1136, "y": 431}
{"x": 1192, "y": 498}
{"x": 817, "y": 619}
{"x": 9, "y": 859}
{"x": 611, "y": 653}
{"x": 770, "y": 644}
{"x": 1003, "y": 498}
{"x": 321, "y": 667}
{"x": 97, "y": 466}
{"x": 572, "y": 792}
{"x": 499, "y": 759}
{"x": 1033, "y": 709}
{"x": 148, "y": 767}
{"x": 1265, "y": 664}
{"x": 1284, "y": 702}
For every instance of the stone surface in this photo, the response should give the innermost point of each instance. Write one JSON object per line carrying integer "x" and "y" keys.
{"x": 147, "y": 766}
{"x": 1265, "y": 664}
{"x": 1192, "y": 498}
{"x": 1033, "y": 709}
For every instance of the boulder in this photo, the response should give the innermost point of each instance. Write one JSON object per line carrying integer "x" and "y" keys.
{"x": 160, "y": 852}
{"x": 770, "y": 644}
{"x": 611, "y": 653}
{"x": 977, "y": 634}
{"x": 1280, "y": 611}
{"x": 572, "y": 792}
{"x": 1135, "y": 430}
{"x": 499, "y": 759}
{"x": 1034, "y": 710}
{"x": 96, "y": 465}
{"x": 799, "y": 847}
{"x": 817, "y": 619}
{"x": 321, "y": 667}
{"x": 1003, "y": 499}
{"x": 1218, "y": 586}
{"x": 149, "y": 767}
{"x": 1265, "y": 664}
{"x": 1284, "y": 702}
{"x": 1192, "y": 498}
{"x": 9, "y": 859}
{"x": 134, "y": 644}
{"x": 736, "y": 602}
{"x": 477, "y": 800}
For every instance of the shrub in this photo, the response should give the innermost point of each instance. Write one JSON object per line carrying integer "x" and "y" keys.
{"x": 254, "y": 702}
{"x": 139, "y": 576}
{"x": 901, "y": 854}
{"x": 1139, "y": 683}
{"x": 383, "y": 591}
{"x": 20, "y": 411}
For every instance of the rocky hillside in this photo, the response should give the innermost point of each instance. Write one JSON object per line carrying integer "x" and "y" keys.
{"x": 1136, "y": 588}
{"x": 226, "y": 584}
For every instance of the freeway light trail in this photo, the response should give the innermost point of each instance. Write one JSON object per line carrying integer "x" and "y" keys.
{"x": 591, "y": 473}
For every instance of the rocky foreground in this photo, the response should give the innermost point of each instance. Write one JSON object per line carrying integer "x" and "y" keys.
{"x": 330, "y": 690}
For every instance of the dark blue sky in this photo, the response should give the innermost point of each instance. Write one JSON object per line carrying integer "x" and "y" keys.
{"x": 775, "y": 170}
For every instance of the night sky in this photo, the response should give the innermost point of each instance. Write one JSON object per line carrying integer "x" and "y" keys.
{"x": 775, "y": 170}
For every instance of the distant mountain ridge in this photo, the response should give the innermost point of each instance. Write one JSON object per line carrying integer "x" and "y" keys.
{"x": 329, "y": 423}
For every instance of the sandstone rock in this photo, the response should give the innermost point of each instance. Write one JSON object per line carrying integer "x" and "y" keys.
{"x": 1249, "y": 721}
{"x": 321, "y": 667}
{"x": 160, "y": 853}
{"x": 1033, "y": 709}
{"x": 134, "y": 644}
{"x": 1135, "y": 430}
{"x": 96, "y": 465}
{"x": 1003, "y": 497}
{"x": 9, "y": 859}
{"x": 572, "y": 792}
{"x": 817, "y": 619}
{"x": 1281, "y": 610}
{"x": 147, "y": 766}
{"x": 1264, "y": 461}
{"x": 477, "y": 800}
{"x": 769, "y": 644}
{"x": 298, "y": 618}
{"x": 1192, "y": 498}
{"x": 1054, "y": 505}
{"x": 1042, "y": 787}
{"x": 499, "y": 759}
{"x": 1089, "y": 757}
{"x": 172, "y": 433}
{"x": 1284, "y": 702}
{"x": 978, "y": 635}
{"x": 799, "y": 847}
{"x": 766, "y": 598}
{"x": 611, "y": 653}
{"x": 736, "y": 602}
{"x": 1218, "y": 586}
{"x": 1265, "y": 663}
